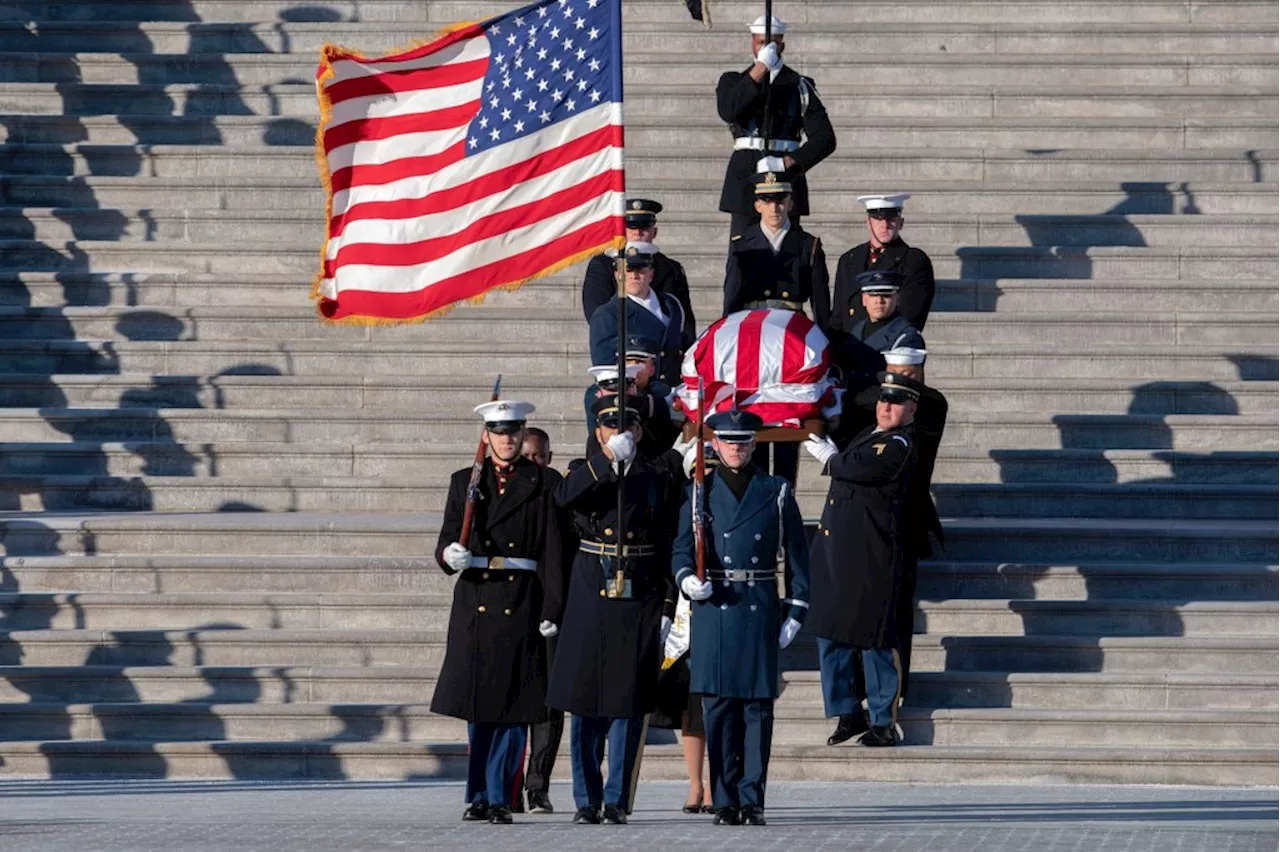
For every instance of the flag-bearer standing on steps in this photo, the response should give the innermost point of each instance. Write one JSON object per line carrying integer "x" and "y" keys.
{"x": 507, "y": 598}
{"x": 737, "y": 621}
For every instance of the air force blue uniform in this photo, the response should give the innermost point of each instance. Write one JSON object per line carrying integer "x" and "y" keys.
{"x": 892, "y": 333}
{"x": 734, "y": 633}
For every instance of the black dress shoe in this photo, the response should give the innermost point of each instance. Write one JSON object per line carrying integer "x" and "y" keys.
{"x": 753, "y": 816}
{"x": 478, "y": 812}
{"x": 614, "y": 815}
{"x": 540, "y": 803}
{"x": 587, "y": 816}
{"x": 691, "y": 809}
{"x": 500, "y": 815}
{"x": 849, "y": 727}
{"x": 708, "y": 809}
{"x": 726, "y": 816}
{"x": 879, "y": 738}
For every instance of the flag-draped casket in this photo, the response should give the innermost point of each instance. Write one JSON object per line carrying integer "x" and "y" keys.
{"x": 773, "y": 363}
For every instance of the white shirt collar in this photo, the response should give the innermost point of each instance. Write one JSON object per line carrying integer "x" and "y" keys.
{"x": 652, "y": 304}
{"x": 775, "y": 238}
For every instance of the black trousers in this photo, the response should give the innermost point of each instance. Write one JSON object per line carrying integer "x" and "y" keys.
{"x": 544, "y": 740}
{"x": 739, "y": 222}
{"x": 786, "y": 459}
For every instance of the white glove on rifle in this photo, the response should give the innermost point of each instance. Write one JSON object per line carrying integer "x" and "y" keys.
{"x": 457, "y": 557}
{"x": 769, "y": 58}
{"x": 547, "y": 629}
{"x": 665, "y": 631}
{"x": 770, "y": 164}
{"x": 821, "y": 449}
{"x": 622, "y": 446}
{"x": 691, "y": 459}
{"x": 787, "y": 634}
{"x": 695, "y": 589}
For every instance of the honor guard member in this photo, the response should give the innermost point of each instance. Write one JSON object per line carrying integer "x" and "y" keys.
{"x": 508, "y": 597}
{"x": 653, "y": 397}
{"x": 601, "y": 284}
{"x": 610, "y": 654}
{"x": 769, "y": 98}
{"x": 883, "y": 328}
{"x": 774, "y": 263}
{"x": 856, "y": 563}
{"x": 738, "y": 623}
{"x": 886, "y": 250}
{"x": 650, "y": 314}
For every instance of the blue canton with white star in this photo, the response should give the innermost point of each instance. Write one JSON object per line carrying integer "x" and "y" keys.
{"x": 547, "y": 62}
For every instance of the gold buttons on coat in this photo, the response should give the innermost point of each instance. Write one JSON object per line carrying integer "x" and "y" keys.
{"x": 488, "y": 543}
{"x": 480, "y": 608}
{"x": 506, "y": 612}
{"x": 608, "y": 530}
{"x": 630, "y": 535}
{"x": 852, "y": 311}
{"x": 768, "y": 293}
{"x": 511, "y": 544}
{"x": 511, "y": 578}
{"x": 484, "y": 576}
{"x": 826, "y": 532}
{"x": 785, "y": 294}
{"x": 602, "y": 593}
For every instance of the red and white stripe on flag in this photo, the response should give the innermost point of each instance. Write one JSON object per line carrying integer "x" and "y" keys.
{"x": 484, "y": 159}
{"x": 773, "y": 363}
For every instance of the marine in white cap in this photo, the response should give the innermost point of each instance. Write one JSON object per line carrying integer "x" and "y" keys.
{"x": 886, "y": 251}
{"x": 508, "y": 598}
{"x": 775, "y": 116}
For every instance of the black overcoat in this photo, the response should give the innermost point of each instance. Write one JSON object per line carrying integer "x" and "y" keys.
{"x": 740, "y": 101}
{"x": 855, "y": 564}
{"x": 796, "y": 273}
{"x": 610, "y": 654}
{"x": 494, "y": 668}
{"x": 599, "y": 286}
{"x": 914, "y": 299}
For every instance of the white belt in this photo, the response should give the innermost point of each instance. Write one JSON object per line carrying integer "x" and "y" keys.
{"x": 504, "y": 563}
{"x": 756, "y": 143}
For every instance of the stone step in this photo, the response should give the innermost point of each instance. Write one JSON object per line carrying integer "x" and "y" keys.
{"x": 268, "y": 691}
{"x": 399, "y": 356}
{"x": 727, "y": 12}
{"x": 806, "y": 40}
{"x": 386, "y": 761}
{"x": 298, "y": 99}
{"x": 404, "y": 611}
{"x": 420, "y": 574}
{"x": 551, "y": 327}
{"x": 640, "y": 70}
{"x": 681, "y": 197}
{"x": 373, "y": 534}
{"x": 695, "y": 132}
{"x": 150, "y": 493}
{"x": 261, "y": 388}
{"x": 794, "y": 724}
{"x": 889, "y": 164}
{"x": 679, "y": 234}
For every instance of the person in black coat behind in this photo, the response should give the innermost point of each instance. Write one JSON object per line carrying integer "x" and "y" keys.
{"x": 601, "y": 284}
{"x": 794, "y": 112}
{"x": 508, "y": 598}
{"x": 885, "y": 251}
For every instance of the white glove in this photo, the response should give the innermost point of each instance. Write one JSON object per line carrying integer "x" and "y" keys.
{"x": 821, "y": 449}
{"x": 665, "y": 631}
{"x": 787, "y": 634}
{"x": 695, "y": 589}
{"x": 691, "y": 458}
{"x": 457, "y": 557}
{"x": 623, "y": 447}
{"x": 769, "y": 58}
{"x": 770, "y": 164}
{"x": 547, "y": 629}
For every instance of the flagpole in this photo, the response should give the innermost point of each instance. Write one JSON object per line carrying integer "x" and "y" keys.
{"x": 621, "y": 273}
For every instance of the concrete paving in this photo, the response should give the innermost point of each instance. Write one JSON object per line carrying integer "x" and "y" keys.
{"x": 176, "y": 816}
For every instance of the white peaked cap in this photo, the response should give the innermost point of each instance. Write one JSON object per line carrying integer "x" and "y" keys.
{"x": 779, "y": 26}
{"x": 880, "y": 202}
{"x": 641, "y": 247}
{"x": 609, "y": 372}
{"x": 904, "y": 356}
{"x": 504, "y": 410}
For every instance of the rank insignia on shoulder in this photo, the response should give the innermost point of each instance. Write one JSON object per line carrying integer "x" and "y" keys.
{"x": 879, "y": 448}
{"x": 735, "y": 238}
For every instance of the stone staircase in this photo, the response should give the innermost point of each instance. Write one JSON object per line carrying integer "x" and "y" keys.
{"x": 216, "y": 515}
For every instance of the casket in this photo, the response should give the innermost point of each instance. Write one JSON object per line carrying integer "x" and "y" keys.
{"x": 773, "y": 363}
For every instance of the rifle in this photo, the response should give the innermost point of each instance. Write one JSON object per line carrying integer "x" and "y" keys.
{"x": 699, "y": 493}
{"x": 477, "y": 470}
{"x": 767, "y": 129}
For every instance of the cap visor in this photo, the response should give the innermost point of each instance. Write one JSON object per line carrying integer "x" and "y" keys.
{"x": 505, "y": 427}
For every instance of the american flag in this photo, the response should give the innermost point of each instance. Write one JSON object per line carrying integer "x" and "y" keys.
{"x": 773, "y": 363}
{"x": 486, "y": 158}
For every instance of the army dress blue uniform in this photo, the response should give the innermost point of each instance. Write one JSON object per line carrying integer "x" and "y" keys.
{"x": 734, "y": 638}
{"x": 856, "y": 564}
{"x": 610, "y": 652}
{"x": 494, "y": 671}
